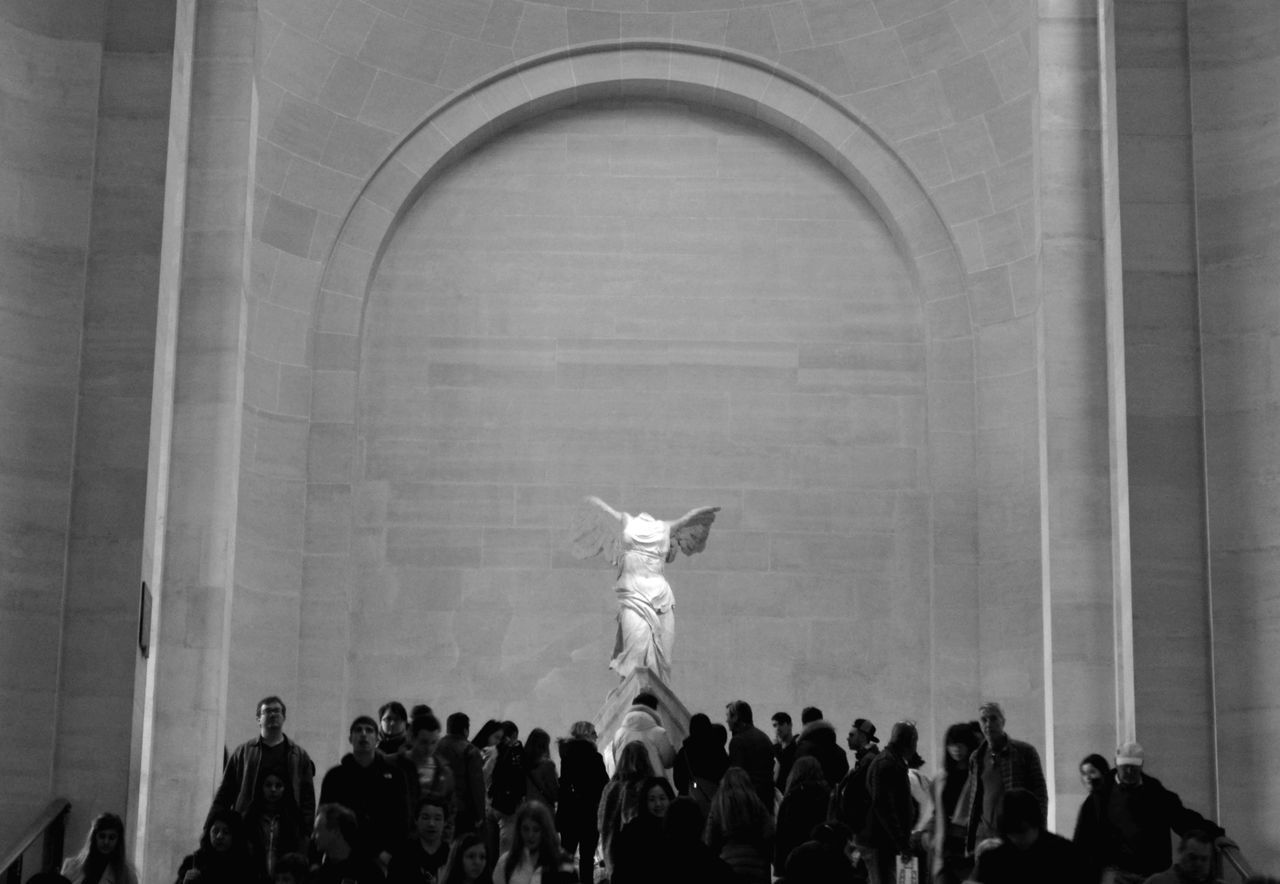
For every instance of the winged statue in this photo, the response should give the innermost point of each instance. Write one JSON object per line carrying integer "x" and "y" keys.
{"x": 640, "y": 547}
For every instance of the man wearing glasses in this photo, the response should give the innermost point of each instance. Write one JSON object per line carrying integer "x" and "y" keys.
{"x": 270, "y": 752}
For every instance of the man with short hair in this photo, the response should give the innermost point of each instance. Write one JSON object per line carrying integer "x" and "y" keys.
{"x": 998, "y": 764}
{"x": 424, "y": 854}
{"x": 1027, "y": 853}
{"x": 784, "y": 748}
{"x": 851, "y": 798}
{"x": 467, "y": 767}
{"x": 887, "y": 834}
{"x": 750, "y": 750}
{"x": 368, "y": 784}
{"x": 270, "y": 752}
{"x": 1195, "y": 861}
{"x": 425, "y": 773}
{"x": 1124, "y": 825}
{"x": 335, "y": 835}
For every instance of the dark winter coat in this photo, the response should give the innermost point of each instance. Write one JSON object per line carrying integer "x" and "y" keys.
{"x": 1051, "y": 860}
{"x": 467, "y": 766}
{"x": 889, "y": 822}
{"x": 818, "y": 740}
{"x": 582, "y": 780}
{"x": 752, "y": 751}
{"x": 1151, "y": 810}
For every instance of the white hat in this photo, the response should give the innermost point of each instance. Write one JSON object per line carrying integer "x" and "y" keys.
{"x": 1129, "y": 753}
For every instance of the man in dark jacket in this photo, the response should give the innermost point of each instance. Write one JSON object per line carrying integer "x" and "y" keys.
{"x": 818, "y": 739}
{"x": 998, "y": 764}
{"x": 1028, "y": 853}
{"x": 1125, "y": 825}
{"x": 784, "y": 749}
{"x": 464, "y": 761}
{"x": 372, "y": 788}
{"x": 272, "y": 750}
{"x": 888, "y": 831}
{"x": 751, "y": 750}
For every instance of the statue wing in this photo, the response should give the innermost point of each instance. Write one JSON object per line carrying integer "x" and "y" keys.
{"x": 595, "y": 532}
{"x": 691, "y": 532}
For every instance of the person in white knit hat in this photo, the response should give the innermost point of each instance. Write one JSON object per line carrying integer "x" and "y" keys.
{"x": 1125, "y": 826}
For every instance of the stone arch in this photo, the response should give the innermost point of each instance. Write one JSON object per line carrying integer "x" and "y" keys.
{"x": 702, "y": 75}
{"x": 713, "y": 76}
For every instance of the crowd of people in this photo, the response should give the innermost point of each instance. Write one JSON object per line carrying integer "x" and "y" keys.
{"x": 417, "y": 803}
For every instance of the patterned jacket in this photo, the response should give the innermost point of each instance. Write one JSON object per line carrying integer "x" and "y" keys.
{"x": 1020, "y": 768}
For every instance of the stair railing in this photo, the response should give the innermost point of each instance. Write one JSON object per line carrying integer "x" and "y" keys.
{"x": 52, "y": 825}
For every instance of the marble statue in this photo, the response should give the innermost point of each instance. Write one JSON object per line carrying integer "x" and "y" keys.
{"x": 641, "y": 546}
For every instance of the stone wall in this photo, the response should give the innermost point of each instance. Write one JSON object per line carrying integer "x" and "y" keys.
{"x": 1235, "y": 71}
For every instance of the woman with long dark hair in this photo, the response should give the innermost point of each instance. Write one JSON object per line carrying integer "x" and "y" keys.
{"x": 102, "y": 859}
{"x": 468, "y": 861}
{"x": 222, "y": 857}
{"x": 621, "y": 795}
{"x": 803, "y": 807}
{"x": 951, "y": 796}
{"x": 641, "y": 845}
{"x": 544, "y": 785}
{"x": 740, "y": 828}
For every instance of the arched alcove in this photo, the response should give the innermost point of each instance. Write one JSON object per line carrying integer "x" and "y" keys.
{"x": 928, "y": 543}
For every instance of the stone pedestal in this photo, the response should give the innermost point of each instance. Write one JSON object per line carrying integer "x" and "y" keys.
{"x": 674, "y": 715}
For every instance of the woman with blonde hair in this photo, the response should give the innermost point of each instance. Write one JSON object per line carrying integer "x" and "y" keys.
{"x": 740, "y": 828}
{"x": 582, "y": 780}
{"x": 102, "y": 858}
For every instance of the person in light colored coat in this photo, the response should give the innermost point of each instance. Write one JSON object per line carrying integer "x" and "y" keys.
{"x": 641, "y": 722}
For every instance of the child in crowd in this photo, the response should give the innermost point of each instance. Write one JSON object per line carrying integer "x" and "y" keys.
{"x": 273, "y": 823}
{"x": 420, "y": 858}
{"x": 469, "y": 863}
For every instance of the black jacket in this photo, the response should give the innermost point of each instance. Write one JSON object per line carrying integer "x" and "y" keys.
{"x": 1151, "y": 811}
{"x": 582, "y": 779}
{"x": 379, "y": 797}
{"x": 1052, "y": 859}
{"x": 818, "y": 740}
{"x": 752, "y": 751}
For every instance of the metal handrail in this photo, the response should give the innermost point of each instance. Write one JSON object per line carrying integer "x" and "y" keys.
{"x": 1235, "y": 859}
{"x": 51, "y": 823}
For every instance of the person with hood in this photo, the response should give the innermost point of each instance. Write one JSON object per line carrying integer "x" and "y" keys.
{"x": 582, "y": 780}
{"x": 818, "y": 740}
{"x": 223, "y": 857}
{"x": 641, "y": 722}
{"x": 701, "y": 762}
{"x": 373, "y": 788}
